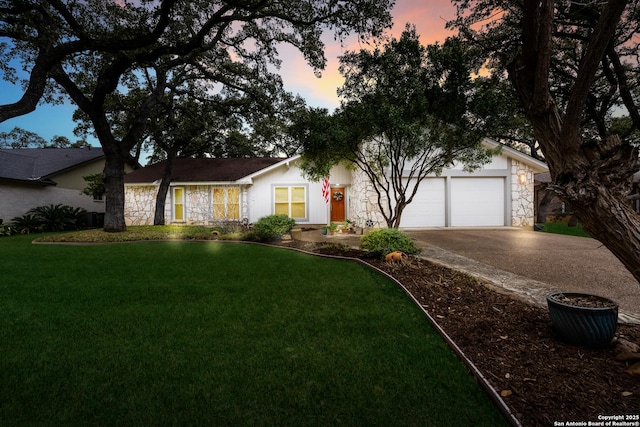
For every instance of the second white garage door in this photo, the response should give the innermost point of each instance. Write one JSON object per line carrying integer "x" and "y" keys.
{"x": 477, "y": 202}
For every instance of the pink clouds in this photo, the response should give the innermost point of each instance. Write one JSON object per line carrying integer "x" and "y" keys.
{"x": 428, "y": 17}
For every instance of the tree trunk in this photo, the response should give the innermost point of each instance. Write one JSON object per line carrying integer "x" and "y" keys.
{"x": 113, "y": 176}
{"x": 614, "y": 223}
{"x": 541, "y": 214}
{"x": 161, "y": 197}
{"x": 594, "y": 178}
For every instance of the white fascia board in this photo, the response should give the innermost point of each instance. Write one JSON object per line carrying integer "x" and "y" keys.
{"x": 249, "y": 178}
{"x": 186, "y": 183}
{"x": 141, "y": 184}
{"x": 535, "y": 164}
{"x": 213, "y": 183}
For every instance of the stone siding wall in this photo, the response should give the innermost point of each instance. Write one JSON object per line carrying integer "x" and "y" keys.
{"x": 522, "y": 196}
{"x": 140, "y": 204}
{"x": 363, "y": 206}
{"x": 198, "y": 200}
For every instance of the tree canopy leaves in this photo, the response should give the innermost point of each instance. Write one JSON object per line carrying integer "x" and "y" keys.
{"x": 407, "y": 113}
{"x": 94, "y": 51}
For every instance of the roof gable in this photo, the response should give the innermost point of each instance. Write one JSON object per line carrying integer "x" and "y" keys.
{"x": 535, "y": 164}
{"x": 203, "y": 169}
{"x": 38, "y": 165}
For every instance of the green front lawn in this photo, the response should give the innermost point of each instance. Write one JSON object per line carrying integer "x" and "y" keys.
{"x": 206, "y": 333}
{"x": 563, "y": 228}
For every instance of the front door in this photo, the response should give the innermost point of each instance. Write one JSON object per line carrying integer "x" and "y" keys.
{"x": 337, "y": 204}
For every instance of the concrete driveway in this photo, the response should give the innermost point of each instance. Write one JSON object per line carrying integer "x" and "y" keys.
{"x": 534, "y": 263}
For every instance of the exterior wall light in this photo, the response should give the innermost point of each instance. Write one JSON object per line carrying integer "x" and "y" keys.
{"x": 522, "y": 178}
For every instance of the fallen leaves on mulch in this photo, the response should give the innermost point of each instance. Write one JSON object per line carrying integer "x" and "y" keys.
{"x": 511, "y": 342}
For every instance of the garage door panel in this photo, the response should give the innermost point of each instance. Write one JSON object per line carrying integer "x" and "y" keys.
{"x": 428, "y": 206}
{"x": 477, "y": 202}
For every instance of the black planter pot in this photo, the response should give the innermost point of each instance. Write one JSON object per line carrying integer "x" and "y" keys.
{"x": 579, "y": 325}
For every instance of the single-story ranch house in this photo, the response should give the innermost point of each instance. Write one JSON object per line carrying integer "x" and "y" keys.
{"x": 210, "y": 191}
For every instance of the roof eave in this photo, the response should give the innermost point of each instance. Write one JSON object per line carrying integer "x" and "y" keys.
{"x": 285, "y": 162}
{"x": 43, "y": 182}
{"x": 537, "y": 165}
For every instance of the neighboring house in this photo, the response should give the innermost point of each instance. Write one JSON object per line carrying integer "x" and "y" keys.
{"x": 33, "y": 177}
{"x": 208, "y": 191}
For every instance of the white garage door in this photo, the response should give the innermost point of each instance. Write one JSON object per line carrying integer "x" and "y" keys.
{"x": 477, "y": 202}
{"x": 428, "y": 206}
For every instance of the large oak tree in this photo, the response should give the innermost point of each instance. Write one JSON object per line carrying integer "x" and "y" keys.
{"x": 89, "y": 49}
{"x": 573, "y": 66}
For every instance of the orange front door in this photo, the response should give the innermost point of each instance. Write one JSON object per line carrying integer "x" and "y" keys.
{"x": 338, "y": 198}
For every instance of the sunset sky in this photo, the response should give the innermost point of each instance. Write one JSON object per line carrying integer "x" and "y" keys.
{"x": 428, "y": 17}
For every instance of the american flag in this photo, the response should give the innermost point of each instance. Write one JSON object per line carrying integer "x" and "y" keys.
{"x": 325, "y": 189}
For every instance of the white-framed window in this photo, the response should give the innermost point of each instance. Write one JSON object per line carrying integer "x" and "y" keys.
{"x": 291, "y": 201}
{"x": 226, "y": 203}
{"x": 177, "y": 197}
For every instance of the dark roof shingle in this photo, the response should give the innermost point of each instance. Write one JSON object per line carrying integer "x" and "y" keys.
{"x": 203, "y": 170}
{"x": 40, "y": 164}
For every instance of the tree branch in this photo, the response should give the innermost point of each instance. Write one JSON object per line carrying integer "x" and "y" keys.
{"x": 603, "y": 33}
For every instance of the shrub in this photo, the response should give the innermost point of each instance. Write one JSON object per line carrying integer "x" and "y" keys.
{"x": 386, "y": 240}
{"x": 95, "y": 186}
{"x": 50, "y": 218}
{"x": 27, "y": 224}
{"x": 58, "y": 217}
{"x": 5, "y": 229}
{"x": 271, "y": 227}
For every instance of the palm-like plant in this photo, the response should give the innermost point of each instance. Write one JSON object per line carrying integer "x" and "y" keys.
{"x": 6, "y": 229}
{"x": 57, "y": 217}
{"x": 27, "y": 223}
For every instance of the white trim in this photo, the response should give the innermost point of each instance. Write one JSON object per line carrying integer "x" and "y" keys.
{"x": 537, "y": 165}
{"x": 286, "y": 162}
{"x": 205, "y": 183}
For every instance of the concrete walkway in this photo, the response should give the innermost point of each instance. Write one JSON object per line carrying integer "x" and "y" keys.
{"x": 528, "y": 263}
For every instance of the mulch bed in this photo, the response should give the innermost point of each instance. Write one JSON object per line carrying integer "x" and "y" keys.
{"x": 541, "y": 379}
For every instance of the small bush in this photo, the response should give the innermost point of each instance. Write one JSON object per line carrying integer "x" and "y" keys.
{"x": 271, "y": 227}
{"x": 5, "y": 229}
{"x": 386, "y": 240}
{"x": 27, "y": 224}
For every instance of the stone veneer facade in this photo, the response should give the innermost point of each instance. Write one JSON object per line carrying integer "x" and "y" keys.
{"x": 522, "y": 196}
{"x": 363, "y": 202}
{"x": 140, "y": 202}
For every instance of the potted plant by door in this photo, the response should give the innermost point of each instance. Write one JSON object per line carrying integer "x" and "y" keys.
{"x": 583, "y": 319}
{"x": 332, "y": 227}
{"x": 345, "y": 227}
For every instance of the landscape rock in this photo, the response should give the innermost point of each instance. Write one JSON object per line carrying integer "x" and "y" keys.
{"x": 627, "y": 357}
{"x": 634, "y": 369}
{"x": 625, "y": 346}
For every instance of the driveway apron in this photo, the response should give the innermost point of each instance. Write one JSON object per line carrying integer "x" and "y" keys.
{"x": 534, "y": 263}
